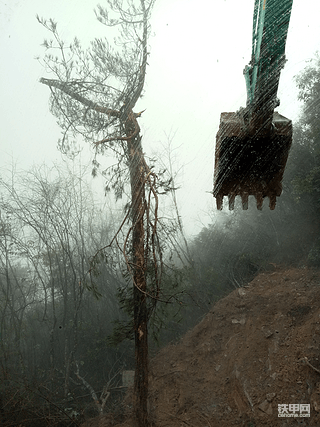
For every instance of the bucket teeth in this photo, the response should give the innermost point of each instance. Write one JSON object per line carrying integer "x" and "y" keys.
{"x": 272, "y": 202}
{"x": 219, "y": 201}
{"x": 259, "y": 199}
{"x": 231, "y": 198}
{"x": 245, "y": 200}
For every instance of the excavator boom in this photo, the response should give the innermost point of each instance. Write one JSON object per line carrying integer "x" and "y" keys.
{"x": 252, "y": 145}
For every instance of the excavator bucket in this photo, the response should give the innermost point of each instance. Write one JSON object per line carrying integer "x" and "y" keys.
{"x": 250, "y": 163}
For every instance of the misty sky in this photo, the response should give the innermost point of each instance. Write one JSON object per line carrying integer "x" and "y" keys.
{"x": 198, "y": 52}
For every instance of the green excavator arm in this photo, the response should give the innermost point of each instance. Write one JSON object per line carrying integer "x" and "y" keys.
{"x": 252, "y": 145}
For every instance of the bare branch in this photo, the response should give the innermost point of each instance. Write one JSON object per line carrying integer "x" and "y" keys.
{"x": 67, "y": 89}
{"x": 90, "y": 388}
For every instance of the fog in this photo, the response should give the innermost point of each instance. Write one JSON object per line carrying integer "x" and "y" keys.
{"x": 68, "y": 247}
{"x": 195, "y": 72}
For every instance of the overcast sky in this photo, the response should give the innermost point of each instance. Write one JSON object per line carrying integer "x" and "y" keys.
{"x": 198, "y": 52}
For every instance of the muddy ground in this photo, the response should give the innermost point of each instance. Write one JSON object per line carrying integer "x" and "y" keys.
{"x": 256, "y": 349}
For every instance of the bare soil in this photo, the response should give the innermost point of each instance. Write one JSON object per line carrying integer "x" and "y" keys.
{"x": 257, "y": 348}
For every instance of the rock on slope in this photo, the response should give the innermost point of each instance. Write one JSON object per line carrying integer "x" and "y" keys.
{"x": 256, "y": 348}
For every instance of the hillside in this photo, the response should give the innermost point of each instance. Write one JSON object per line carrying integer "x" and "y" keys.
{"x": 256, "y": 348}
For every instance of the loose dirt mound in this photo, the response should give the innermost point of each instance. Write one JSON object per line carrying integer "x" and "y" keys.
{"x": 256, "y": 348}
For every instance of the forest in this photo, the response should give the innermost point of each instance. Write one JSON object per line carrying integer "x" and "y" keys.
{"x": 65, "y": 329}
{"x": 69, "y": 321}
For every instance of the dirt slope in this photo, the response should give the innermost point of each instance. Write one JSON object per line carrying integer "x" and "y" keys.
{"x": 257, "y": 348}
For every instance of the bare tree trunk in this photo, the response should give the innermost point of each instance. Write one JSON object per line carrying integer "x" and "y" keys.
{"x": 52, "y": 337}
{"x": 137, "y": 180}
